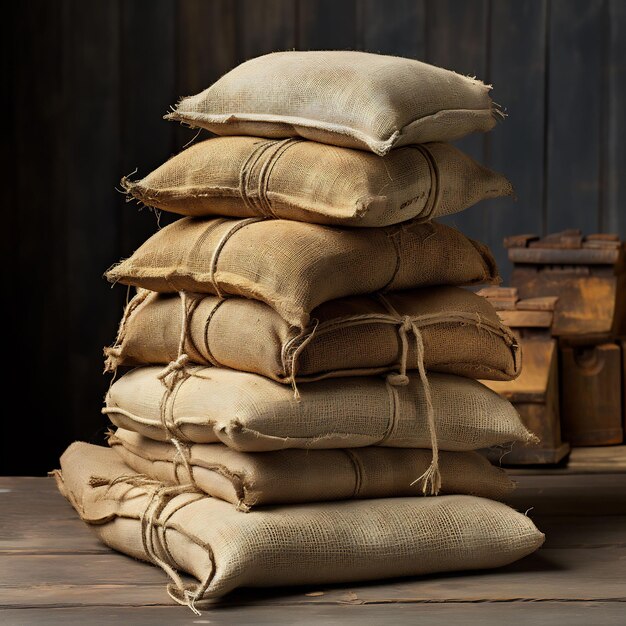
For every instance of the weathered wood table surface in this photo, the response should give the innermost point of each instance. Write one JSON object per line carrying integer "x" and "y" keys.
{"x": 54, "y": 571}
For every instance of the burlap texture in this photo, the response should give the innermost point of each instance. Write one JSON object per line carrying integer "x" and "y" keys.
{"x": 359, "y": 335}
{"x": 295, "y": 266}
{"x": 252, "y": 413}
{"x": 249, "y": 479}
{"x": 313, "y": 182}
{"x": 343, "y": 98}
{"x": 285, "y": 545}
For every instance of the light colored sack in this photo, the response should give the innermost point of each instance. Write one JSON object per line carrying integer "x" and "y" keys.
{"x": 252, "y": 413}
{"x": 344, "y": 98}
{"x": 452, "y": 329}
{"x": 249, "y": 479}
{"x": 335, "y": 542}
{"x": 313, "y": 182}
{"x": 294, "y": 267}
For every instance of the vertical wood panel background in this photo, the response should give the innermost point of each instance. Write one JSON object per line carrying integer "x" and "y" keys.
{"x": 88, "y": 83}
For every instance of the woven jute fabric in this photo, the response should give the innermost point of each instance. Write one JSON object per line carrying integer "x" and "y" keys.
{"x": 313, "y": 182}
{"x": 343, "y": 98}
{"x": 358, "y": 335}
{"x": 251, "y": 413}
{"x": 330, "y": 542}
{"x": 249, "y": 479}
{"x": 295, "y": 266}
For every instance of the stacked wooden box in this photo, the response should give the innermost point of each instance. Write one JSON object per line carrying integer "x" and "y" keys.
{"x": 583, "y": 280}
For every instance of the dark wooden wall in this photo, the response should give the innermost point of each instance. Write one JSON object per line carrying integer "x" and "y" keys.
{"x": 88, "y": 83}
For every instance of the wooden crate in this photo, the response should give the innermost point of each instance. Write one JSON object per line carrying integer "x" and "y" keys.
{"x": 623, "y": 345}
{"x": 591, "y": 394}
{"x": 588, "y": 274}
{"x": 535, "y": 393}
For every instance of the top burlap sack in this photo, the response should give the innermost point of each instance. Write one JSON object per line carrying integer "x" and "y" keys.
{"x": 448, "y": 329}
{"x": 312, "y": 182}
{"x": 295, "y": 266}
{"x": 182, "y": 530}
{"x": 344, "y": 98}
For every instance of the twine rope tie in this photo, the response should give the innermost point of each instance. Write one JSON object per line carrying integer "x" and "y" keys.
{"x": 153, "y": 544}
{"x": 175, "y": 372}
{"x": 238, "y": 225}
{"x": 255, "y": 174}
{"x": 293, "y": 361}
{"x": 431, "y": 478}
{"x": 182, "y": 453}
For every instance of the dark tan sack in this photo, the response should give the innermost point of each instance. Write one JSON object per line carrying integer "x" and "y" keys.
{"x": 344, "y": 98}
{"x": 313, "y": 182}
{"x": 249, "y": 479}
{"x": 294, "y": 267}
{"x": 332, "y": 542}
{"x": 452, "y": 329}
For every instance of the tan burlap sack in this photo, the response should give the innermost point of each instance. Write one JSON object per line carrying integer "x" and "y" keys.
{"x": 343, "y": 98}
{"x": 313, "y": 182}
{"x": 252, "y": 413}
{"x": 294, "y": 266}
{"x": 249, "y": 479}
{"x": 334, "y": 542}
{"x": 453, "y": 329}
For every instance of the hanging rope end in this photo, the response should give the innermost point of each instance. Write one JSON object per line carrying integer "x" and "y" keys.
{"x": 430, "y": 479}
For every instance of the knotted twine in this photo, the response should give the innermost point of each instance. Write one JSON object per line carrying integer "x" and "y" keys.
{"x": 176, "y": 372}
{"x": 153, "y": 541}
{"x": 172, "y": 377}
{"x": 431, "y": 478}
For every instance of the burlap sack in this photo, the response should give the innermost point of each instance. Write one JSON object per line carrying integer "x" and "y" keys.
{"x": 249, "y": 479}
{"x": 252, "y": 413}
{"x": 285, "y": 545}
{"x": 294, "y": 266}
{"x": 313, "y": 182}
{"x": 460, "y": 333}
{"x": 344, "y": 98}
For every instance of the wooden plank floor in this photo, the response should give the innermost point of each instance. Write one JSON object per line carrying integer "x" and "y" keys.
{"x": 54, "y": 571}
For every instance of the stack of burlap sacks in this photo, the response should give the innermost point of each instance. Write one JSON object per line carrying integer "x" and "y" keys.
{"x": 302, "y": 340}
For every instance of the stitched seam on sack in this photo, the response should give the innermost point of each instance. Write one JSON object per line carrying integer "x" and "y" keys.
{"x": 393, "y": 414}
{"x": 230, "y": 118}
{"x": 363, "y": 137}
{"x": 213, "y": 424}
{"x": 358, "y": 472}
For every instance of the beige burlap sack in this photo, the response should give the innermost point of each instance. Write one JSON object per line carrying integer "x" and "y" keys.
{"x": 344, "y": 98}
{"x": 332, "y": 542}
{"x": 294, "y": 266}
{"x": 249, "y": 479}
{"x": 252, "y": 413}
{"x": 452, "y": 329}
{"x": 313, "y": 182}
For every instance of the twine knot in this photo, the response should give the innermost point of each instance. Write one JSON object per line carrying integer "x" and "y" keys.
{"x": 397, "y": 380}
{"x": 406, "y": 324}
{"x": 177, "y": 365}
